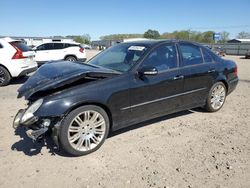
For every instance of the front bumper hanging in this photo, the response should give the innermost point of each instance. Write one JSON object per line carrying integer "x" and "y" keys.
{"x": 34, "y": 134}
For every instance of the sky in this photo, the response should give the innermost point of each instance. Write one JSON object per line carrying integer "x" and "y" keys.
{"x": 43, "y": 18}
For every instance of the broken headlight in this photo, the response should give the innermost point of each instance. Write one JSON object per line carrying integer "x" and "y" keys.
{"x": 29, "y": 113}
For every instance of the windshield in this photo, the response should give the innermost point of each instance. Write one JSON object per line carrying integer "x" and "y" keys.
{"x": 120, "y": 57}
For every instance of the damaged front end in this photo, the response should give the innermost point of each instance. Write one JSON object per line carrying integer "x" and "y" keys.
{"x": 51, "y": 92}
{"x": 36, "y": 127}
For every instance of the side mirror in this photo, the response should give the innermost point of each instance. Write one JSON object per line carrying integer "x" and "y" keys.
{"x": 34, "y": 49}
{"x": 148, "y": 71}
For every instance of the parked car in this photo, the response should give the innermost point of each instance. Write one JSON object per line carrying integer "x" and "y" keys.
{"x": 219, "y": 51}
{"x": 86, "y": 46}
{"x": 16, "y": 59}
{"x": 55, "y": 51}
{"x": 124, "y": 85}
{"x": 247, "y": 55}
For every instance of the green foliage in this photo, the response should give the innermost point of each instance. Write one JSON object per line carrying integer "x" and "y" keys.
{"x": 243, "y": 35}
{"x": 83, "y": 39}
{"x": 152, "y": 34}
{"x": 203, "y": 37}
{"x": 120, "y": 36}
{"x": 224, "y": 37}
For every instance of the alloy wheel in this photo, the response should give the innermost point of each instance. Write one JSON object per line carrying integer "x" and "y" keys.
{"x": 2, "y": 77}
{"x": 218, "y": 97}
{"x": 71, "y": 59}
{"x": 86, "y": 130}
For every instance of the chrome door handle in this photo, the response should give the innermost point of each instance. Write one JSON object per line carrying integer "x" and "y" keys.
{"x": 211, "y": 71}
{"x": 178, "y": 77}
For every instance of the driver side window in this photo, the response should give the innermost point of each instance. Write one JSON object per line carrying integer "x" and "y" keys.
{"x": 163, "y": 58}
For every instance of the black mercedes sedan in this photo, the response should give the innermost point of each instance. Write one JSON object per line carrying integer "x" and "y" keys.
{"x": 79, "y": 104}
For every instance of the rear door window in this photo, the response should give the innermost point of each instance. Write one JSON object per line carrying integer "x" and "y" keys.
{"x": 58, "y": 46}
{"x": 66, "y": 45}
{"x": 191, "y": 54}
{"x": 20, "y": 45}
{"x": 206, "y": 56}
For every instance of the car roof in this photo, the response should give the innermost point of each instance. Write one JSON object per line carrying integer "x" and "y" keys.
{"x": 61, "y": 42}
{"x": 147, "y": 42}
{"x": 151, "y": 43}
{"x": 8, "y": 39}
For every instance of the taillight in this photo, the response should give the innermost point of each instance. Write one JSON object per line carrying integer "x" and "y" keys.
{"x": 235, "y": 72}
{"x": 81, "y": 50}
{"x": 18, "y": 54}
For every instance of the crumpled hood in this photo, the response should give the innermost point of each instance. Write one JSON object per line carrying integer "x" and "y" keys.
{"x": 57, "y": 74}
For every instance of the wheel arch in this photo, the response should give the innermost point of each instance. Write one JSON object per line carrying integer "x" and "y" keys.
{"x": 101, "y": 105}
{"x": 223, "y": 79}
{"x": 1, "y": 65}
{"x": 70, "y": 55}
{"x": 225, "y": 83}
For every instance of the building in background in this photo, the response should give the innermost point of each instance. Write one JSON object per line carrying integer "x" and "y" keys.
{"x": 239, "y": 41}
{"x": 103, "y": 44}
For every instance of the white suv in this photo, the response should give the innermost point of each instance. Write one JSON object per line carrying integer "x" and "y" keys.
{"x": 54, "y": 51}
{"x": 16, "y": 59}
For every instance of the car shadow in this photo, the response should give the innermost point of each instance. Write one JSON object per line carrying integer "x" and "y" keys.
{"x": 19, "y": 80}
{"x": 30, "y": 148}
{"x": 149, "y": 122}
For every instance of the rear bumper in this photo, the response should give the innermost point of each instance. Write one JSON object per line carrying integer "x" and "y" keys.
{"x": 82, "y": 59}
{"x": 27, "y": 71}
{"x": 20, "y": 67}
{"x": 232, "y": 85}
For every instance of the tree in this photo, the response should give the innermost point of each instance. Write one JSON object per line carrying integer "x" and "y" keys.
{"x": 152, "y": 34}
{"x": 120, "y": 36}
{"x": 83, "y": 39}
{"x": 207, "y": 37}
{"x": 224, "y": 36}
{"x": 243, "y": 35}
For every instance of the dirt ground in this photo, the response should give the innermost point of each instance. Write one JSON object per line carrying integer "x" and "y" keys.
{"x": 188, "y": 149}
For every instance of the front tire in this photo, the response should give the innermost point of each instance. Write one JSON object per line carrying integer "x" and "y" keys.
{"x": 4, "y": 77}
{"x": 216, "y": 97}
{"x": 84, "y": 130}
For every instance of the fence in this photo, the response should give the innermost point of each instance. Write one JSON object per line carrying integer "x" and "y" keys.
{"x": 233, "y": 48}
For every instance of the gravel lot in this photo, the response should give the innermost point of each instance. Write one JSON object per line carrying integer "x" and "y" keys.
{"x": 188, "y": 149}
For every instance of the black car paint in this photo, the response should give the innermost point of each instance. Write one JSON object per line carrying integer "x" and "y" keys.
{"x": 126, "y": 97}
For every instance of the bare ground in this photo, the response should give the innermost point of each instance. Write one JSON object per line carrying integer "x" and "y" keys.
{"x": 187, "y": 149}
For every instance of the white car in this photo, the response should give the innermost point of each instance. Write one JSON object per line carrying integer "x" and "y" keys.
{"x": 54, "y": 51}
{"x": 86, "y": 46}
{"x": 16, "y": 59}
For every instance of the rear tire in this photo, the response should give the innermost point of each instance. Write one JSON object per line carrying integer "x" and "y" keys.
{"x": 71, "y": 58}
{"x": 4, "y": 77}
{"x": 84, "y": 130}
{"x": 216, "y": 97}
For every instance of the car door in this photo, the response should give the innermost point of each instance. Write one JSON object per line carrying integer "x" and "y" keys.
{"x": 43, "y": 52}
{"x": 153, "y": 96}
{"x": 58, "y": 52}
{"x": 1, "y": 52}
{"x": 198, "y": 75}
